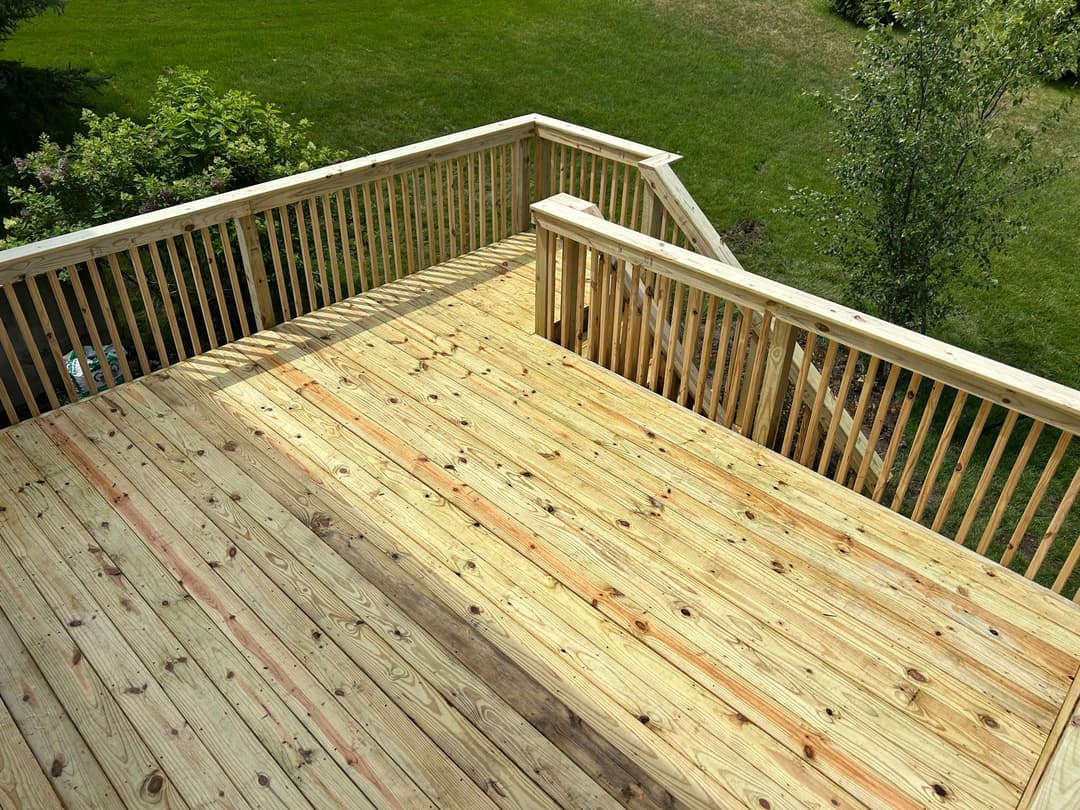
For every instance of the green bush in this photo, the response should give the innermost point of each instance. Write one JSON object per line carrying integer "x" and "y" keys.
{"x": 863, "y": 12}
{"x": 196, "y": 142}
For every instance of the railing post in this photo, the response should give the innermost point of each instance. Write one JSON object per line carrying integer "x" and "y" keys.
{"x": 571, "y": 255}
{"x": 543, "y": 179}
{"x": 544, "y": 308}
{"x": 247, "y": 235}
{"x": 652, "y": 213}
{"x": 775, "y": 382}
{"x": 520, "y": 177}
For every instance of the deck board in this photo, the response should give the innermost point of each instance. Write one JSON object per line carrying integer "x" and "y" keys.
{"x": 402, "y": 553}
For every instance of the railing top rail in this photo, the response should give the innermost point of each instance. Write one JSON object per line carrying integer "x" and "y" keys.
{"x": 1035, "y": 396}
{"x": 600, "y": 143}
{"x": 102, "y": 240}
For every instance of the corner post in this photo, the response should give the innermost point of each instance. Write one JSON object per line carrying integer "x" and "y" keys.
{"x": 652, "y": 213}
{"x": 544, "y": 307}
{"x": 774, "y": 383}
{"x": 520, "y": 177}
{"x": 247, "y": 235}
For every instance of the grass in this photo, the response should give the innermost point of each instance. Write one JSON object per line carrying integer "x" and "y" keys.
{"x": 724, "y": 82}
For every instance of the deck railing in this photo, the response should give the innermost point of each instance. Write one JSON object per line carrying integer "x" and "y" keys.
{"x": 977, "y": 450}
{"x": 871, "y": 407}
{"x": 168, "y": 285}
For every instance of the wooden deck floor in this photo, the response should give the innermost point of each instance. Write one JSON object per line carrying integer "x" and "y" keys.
{"x": 401, "y": 553}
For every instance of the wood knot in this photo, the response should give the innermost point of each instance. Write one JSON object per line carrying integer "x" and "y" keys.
{"x": 640, "y": 625}
{"x": 915, "y": 675}
{"x": 940, "y": 790}
{"x": 154, "y": 784}
{"x": 808, "y": 751}
{"x": 990, "y": 722}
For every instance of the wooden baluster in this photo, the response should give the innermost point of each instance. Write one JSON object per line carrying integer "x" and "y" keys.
{"x": 571, "y": 253}
{"x": 321, "y": 283}
{"x": 711, "y": 311}
{"x": 72, "y": 334}
{"x": 373, "y": 247}
{"x": 875, "y": 432}
{"x": 850, "y": 364}
{"x": 1053, "y": 530}
{"x": 897, "y": 437}
{"x": 50, "y": 337}
{"x": 182, "y": 292}
{"x": 961, "y": 465}
{"x": 200, "y": 289}
{"x": 31, "y": 345}
{"x": 841, "y": 473}
{"x": 417, "y": 220}
{"x": 91, "y": 325}
{"x": 167, "y": 303}
{"x": 675, "y": 332}
{"x": 795, "y": 414}
{"x": 809, "y": 436}
{"x": 1019, "y": 465}
{"x": 358, "y": 241}
{"x": 290, "y": 256}
{"x": 749, "y": 402}
{"x": 645, "y": 339}
{"x": 407, "y": 224}
{"x": 432, "y": 225}
{"x": 125, "y": 303}
{"x": 215, "y": 280}
{"x": 346, "y": 248}
{"x": 944, "y": 441}
{"x": 384, "y": 248}
{"x": 738, "y": 359}
{"x": 332, "y": 248}
{"x": 234, "y": 282}
{"x": 690, "y": 344}
{"x": 395, "y": 238}
{"x": 464, "y": 206}
{"x": 656, "y": 359}
{"x": 1037, "y": 496}
{"x": 470, "y": 222}
{"x": 989, "y": 468}
{"x": 13, "y": 364}
{"x": 720, "y": 363}
{"x": 544, "y": 305}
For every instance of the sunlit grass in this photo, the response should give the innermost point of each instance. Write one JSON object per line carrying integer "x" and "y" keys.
{"x": 724, "y": 83}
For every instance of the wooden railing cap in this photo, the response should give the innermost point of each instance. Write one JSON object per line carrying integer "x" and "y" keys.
{"x": 1006, "y": 385}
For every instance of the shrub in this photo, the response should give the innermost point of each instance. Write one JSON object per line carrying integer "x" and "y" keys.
{"x": 863, "y": 12}
{"x": 196, "y": 142}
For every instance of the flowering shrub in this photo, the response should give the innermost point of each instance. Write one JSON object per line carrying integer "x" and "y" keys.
{"x": 196, "y": 142}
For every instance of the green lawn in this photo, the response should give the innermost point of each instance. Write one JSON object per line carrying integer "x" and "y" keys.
{"x": 724, "y": 83}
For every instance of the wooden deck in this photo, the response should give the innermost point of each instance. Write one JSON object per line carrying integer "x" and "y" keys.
{"x": 402, "y": 553}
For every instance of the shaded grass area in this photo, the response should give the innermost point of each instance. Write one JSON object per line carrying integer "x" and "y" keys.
{"x": 724, "y": 83}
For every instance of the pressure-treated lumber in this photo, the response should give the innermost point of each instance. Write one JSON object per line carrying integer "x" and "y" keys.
{"x": 416, "y": 556}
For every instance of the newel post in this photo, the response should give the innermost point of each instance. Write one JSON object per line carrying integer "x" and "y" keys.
{"x": 545, "y": 283}
{"x": 247, "y": 235}
{"x": 774, "y": 383}
{"x": 519, "y": 173}
{"x": 652, "y": 213}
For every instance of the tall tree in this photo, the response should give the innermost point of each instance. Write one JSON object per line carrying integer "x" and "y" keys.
{"x": 931, "y": 149}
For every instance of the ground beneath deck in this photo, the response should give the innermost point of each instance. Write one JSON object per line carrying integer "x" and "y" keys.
{"x": 402, "y": 553}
